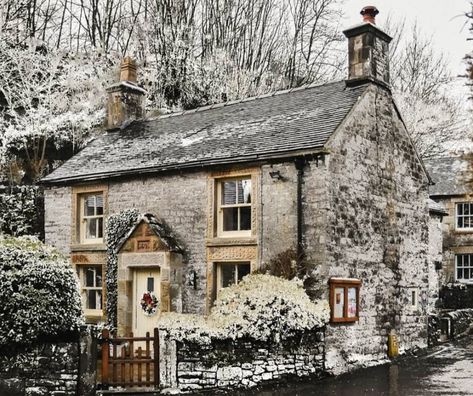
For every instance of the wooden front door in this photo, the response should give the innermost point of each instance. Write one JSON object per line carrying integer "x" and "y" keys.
{"x": 146, "y": 284}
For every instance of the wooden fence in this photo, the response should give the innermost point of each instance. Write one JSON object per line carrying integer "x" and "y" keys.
{"x": 130, "y": 361}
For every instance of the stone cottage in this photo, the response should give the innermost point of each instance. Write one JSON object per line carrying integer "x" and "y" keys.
{"x": 453, "y": 191}
{"x": 326, "y": 170}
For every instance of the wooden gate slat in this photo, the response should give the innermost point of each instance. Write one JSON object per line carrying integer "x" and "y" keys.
{"x": 123, "y": 366}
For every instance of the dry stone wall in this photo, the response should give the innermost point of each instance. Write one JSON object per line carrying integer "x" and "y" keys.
{"x": 239, "y": 364}
{"x": 49, "y": 368}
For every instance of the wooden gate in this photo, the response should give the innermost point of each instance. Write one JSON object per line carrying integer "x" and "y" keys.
{"x": 130, "y": 361}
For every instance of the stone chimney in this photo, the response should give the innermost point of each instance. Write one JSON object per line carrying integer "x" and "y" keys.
{"x": 125, "y": 98}
{"x": 368, "y": 50}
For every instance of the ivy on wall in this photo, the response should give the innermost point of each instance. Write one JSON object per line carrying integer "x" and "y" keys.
{"x": 21, "y": 211}
{"x": 117, "y": 227}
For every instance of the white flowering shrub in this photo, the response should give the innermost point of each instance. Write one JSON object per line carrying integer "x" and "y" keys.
{"x": 261, "y": 307}
{"x": 39, "y": 292}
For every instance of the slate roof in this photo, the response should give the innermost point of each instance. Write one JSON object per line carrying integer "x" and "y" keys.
{"x": 437, "y": 208}
{"x": 450, "y": 175}
{"x": 267, "y": 126}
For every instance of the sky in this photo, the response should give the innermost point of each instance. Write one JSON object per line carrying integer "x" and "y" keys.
{"x": 442, "y": 19}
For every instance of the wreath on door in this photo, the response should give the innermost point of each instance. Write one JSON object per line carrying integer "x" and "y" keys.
{"x": 149, "y": 304}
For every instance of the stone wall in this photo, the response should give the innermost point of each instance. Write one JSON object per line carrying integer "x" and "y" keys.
{"x": 454, "y": 242}
{"x": 435, "y": 260}
{"x": 238, "y": 364}
{"x": 47, "y": 368}
{"x": 58, "y": 217}
{"x": 376, "y": 230}
{"x": 66, "y": 366}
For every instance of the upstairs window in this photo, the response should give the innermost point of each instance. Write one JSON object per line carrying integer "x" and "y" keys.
{"x": 91, "y": 224}
{"x": 464, "y": 268}
{"x": 464, "y": 216}
{"x": 234, "y": 207}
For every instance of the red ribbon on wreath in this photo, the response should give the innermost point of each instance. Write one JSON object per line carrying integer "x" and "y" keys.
{"x": 149, "y": 304}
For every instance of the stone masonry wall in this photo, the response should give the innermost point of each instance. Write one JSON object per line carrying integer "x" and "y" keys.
{"x": 454, "y": 241}
{"x": 239, "y": 364}
{"x": 181, "y": 201}
{"x": 58, "y": 217}
{"x": 376, "y": 230}
{"x": 45, "y": 369}
{"x": 435, "y": 259}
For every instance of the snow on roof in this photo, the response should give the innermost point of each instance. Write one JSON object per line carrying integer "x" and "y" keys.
{"x": 269, "y": 126}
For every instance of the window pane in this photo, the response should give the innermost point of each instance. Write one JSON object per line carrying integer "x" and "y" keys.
{"x": 89, "y": 205}
{"x": 150, "y": 285}
{"x": 98, "y": 277}
{"x": 460, "y": 209}
{"x": 466, "y": 209}
{"x": 460, "y": 222}
{"x": 338, "y": 302}
{"x": 99, "y": 205}
{"x": 245, "y": 188}
{"x": 245, "y": 218}
{"x": 91, "y": 228}
{"x": 351, "y": 302}
{"x": 91, "y": 299}
{"x": 459, "y": 273}
{"x": 227, "y": 274}
{"x": 229, "y": 193}
{"x": 466, "y": 222}
{"x": 243, "y": 270}
{"x": 100, "y": 227}
{"x": 94, "y": 299}
{"x": 230, "y": 219}
{"x": 89, "y": 277}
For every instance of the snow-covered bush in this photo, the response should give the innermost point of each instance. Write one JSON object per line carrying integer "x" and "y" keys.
{"x": 39, "y": 294}
{"x": 261, "y": 307}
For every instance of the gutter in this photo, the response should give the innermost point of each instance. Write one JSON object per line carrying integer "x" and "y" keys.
{"x": 177, "y": 167}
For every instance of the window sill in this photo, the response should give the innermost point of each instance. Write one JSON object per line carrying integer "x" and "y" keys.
{"x": 232, "y": 241}
{"x": 77, "y": 247}
{"x": 464, "y": 230}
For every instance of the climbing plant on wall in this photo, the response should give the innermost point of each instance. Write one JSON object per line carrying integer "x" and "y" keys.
{"x": 117, "y": 227}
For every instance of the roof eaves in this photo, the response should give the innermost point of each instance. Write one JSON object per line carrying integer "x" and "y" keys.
{"x": 189, "y": 165}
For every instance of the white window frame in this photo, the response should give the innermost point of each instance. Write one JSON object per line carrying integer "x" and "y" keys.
{"x": 469, "y": 267}
{"x": 83, "y": 218}
{"x": 457, "y": 216}
{"x": 219, "y": 266}
{"x": 82, "y": 269}
{"x": 220, "y": 207}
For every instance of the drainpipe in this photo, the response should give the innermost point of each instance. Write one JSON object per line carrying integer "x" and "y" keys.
{"x": 299, "y": 163}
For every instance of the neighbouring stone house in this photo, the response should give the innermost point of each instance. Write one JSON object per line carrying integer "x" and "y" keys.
{"x": 453, "y": 191}
{"x": 326, "y": 170}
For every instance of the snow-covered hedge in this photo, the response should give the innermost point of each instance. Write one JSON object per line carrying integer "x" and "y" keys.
{"x": 261, "y": 307}
{"x": 39, "y": 294}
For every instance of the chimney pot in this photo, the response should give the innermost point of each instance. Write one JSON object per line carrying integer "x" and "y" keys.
{"x": 369, "y": 14}
{"x": 128, "y": 70}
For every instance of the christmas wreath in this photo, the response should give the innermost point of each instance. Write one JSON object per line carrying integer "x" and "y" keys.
{"x": 149, "y": 303}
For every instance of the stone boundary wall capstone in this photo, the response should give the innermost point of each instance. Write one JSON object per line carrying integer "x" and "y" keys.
{"x": 242, "y": 363}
